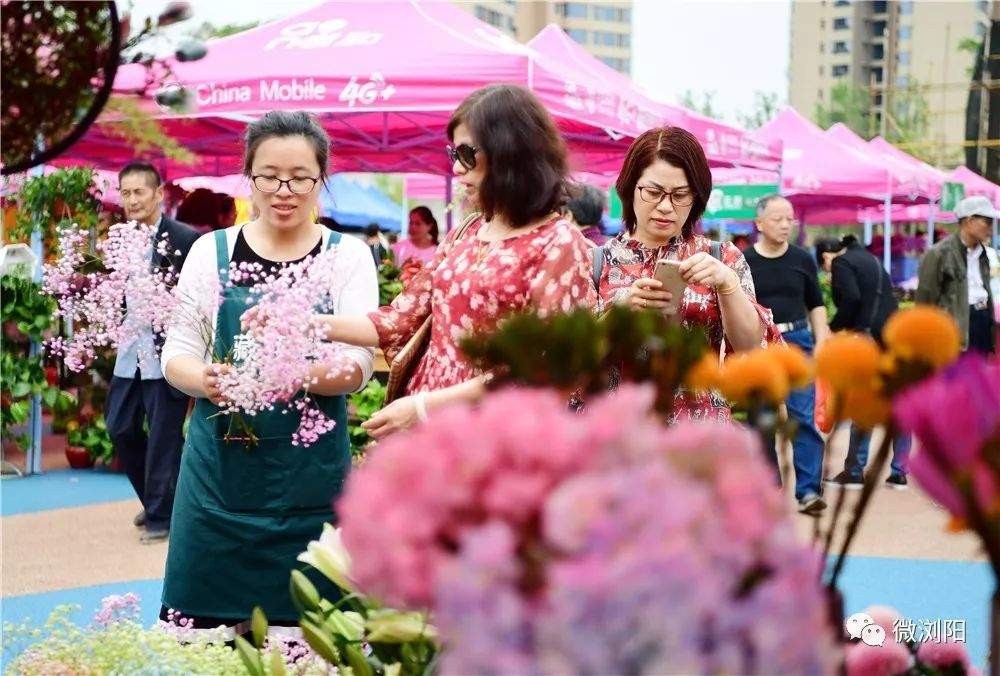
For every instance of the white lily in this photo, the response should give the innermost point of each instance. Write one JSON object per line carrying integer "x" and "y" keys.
{"x": 393, "y": 626}
{"x": 329, "y": 556}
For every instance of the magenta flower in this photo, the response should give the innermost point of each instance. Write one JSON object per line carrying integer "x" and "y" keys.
{"x": 890, "y": 659}
{"x": 943, "y": 654}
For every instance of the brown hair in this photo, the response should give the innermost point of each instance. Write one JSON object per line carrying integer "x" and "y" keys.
{"x": 678, "y": 147}
{"x": 525, "y": 155}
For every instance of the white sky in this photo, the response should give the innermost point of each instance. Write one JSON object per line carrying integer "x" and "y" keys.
{"x": 731, "y": 47}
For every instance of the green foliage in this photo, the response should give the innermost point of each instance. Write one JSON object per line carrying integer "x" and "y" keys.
{"x": 209, "y": 31}
{"x": 123, "y": 647}
{"x": 766, "y": 106}
{"x": 361, "y": 406}
{"x": 849, "y": 105}
{"x": 579, "y": 351}
{"x": 45, "y": 202}
{"x": 389, "y": 283}
{"x": 143, "y": 132}
{"x": 93, "y": 437}
{"x": 22, "y": 375}
{"x": 392, "y": 185}
{"x": 705, "y": 106}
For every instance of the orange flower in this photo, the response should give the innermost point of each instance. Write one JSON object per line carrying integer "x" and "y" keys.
{"x": 847, "y": 360}
{"x": 704, "y": 375}
{"x": 754, "y": 378}
{"x": 923, "y": 333}
{"x": 866, "y": 407}
{"x": 798, "y": 367}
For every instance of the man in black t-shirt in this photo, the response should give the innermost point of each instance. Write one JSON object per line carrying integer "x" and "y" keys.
{"x": 785, "y": 279}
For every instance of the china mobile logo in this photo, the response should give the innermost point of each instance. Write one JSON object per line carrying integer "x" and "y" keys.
{"x": 366, "y": 93}
{"x": 321, "y": 34}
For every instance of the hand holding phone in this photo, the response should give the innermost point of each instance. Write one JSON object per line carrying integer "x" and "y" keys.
{"x": 668, "y": 273}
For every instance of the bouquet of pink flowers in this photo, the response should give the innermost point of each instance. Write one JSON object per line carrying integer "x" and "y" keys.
{"x": 601, "y": 542}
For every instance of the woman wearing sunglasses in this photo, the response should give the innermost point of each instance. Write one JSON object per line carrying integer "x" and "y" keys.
{"x": 664, "y": 187}
{"x": 518, "y": 254}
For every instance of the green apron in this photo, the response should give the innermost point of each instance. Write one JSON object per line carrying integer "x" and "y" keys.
{"x": 242, "y": 516}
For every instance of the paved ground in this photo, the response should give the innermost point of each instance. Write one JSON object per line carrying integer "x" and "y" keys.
{"x": 67, "y": 537}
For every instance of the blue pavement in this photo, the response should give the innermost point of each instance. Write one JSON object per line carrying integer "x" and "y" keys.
{"x": 919, "y": 589}
{"x": 61, "y": 489}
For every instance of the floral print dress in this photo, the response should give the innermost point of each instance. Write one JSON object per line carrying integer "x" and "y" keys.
{"x": 472, "y": 285}
{"x": 626, "y": 260}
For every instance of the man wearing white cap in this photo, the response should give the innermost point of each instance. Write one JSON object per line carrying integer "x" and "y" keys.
{"x": 961, "y": 274}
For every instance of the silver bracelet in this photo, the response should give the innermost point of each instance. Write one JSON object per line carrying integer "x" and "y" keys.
{"x": 420, "y": 402}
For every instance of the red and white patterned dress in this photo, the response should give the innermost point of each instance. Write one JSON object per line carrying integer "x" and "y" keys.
{"x": 626, "y": 260}
{"x": 472, "y": 284}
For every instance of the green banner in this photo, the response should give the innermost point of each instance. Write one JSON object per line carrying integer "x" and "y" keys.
{"x": 614, "y": 204}
{"x": 738, "y": 202}
{"x": 951, "y": 195}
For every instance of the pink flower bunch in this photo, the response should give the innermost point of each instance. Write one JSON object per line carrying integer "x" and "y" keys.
{"x": 956, "y": 415}
{"x": 96, "y": 302}
{"x": 286, "y": 347}
{"x": 891, "y": 659}
{"x": 117, "y": 608}
{"x": 944, "y": 655}
{"x": 601, "y": 542}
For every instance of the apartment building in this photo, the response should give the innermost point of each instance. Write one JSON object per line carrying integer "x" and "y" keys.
{"x": 889, "y": 49}
{"x": 603, "y": 28}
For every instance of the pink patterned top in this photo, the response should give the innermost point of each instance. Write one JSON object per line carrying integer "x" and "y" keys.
{"x": 473, "y": 284}
{"x": 626, "y": 260}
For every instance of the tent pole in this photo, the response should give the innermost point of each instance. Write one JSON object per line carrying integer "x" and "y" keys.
{"x": 868, "y": 228}
{"x": 931, "y": 213}
{"x": 887, "y": 233}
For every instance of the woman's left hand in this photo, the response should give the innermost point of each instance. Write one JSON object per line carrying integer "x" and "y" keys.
{"x": 705, "y": 270}
{"x": 399, "y": 415}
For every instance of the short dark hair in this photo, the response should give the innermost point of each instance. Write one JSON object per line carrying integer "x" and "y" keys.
{"x": 586, "y": 203}
{"x": 200, "y": 207}
{"x": 141, "y": 168}
{"x": 765, "y": 200}
{"x": 372, "y": 229}
{"x": 282, "y": 123}
{"x": 826, "y": 245}
{"x": 680, "y": 148}
{"x": 427, "y": 216}
{"x": 525, "y": 154}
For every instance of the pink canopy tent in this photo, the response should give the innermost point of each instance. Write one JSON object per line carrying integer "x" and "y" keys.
{"x": 976, "y": 184}
{"x": 384, "y": 80}
{"x": 930, "y": 178}
{"x": 907, "y": 184}
{"x": 594, "y": 83}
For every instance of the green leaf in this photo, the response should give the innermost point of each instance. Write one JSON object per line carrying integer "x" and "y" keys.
{"x": 357, "y": 661}
{"x": 321, "y": 644}
{"x": 250, "y": 656}
{"x": 258, "y": 621}
{"x": 277, "y": 663}
{"x": 20, "y": 389}
{"x": 304, "y": 593}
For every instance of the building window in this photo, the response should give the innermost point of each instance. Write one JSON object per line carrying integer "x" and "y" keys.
{"x": 578, "y": 35}
{"x": 842, "y": 3}
{"x": 903, "y": 58}
{"x": 984, "y": 6}
{"x": 906, "y": 7}
{"x": 841, "y": 47}
{"x": 573, "y": 10}
{"x": 822, "y": 24}
{"x": 822, "y": 47}
{"x": 840, "y": 71}
{"x": 880, "y": 7}
{"x": 878, "y": 52}
{"x": 491, "y": 16}
{"x": 878, "y": 29}
{"x": 624, "y": 15}
{"x": 841, "y": 23}
{"x": 905, "y": 32}
{"x": 877, "y": 75}
{"x": 605, "y": 38}
{"x": 621, "y": 65}
{"x": 624, "y": 40}
{"x": 607, "y": 13}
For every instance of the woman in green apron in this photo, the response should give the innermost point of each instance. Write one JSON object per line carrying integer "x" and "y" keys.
{"x": 242, "y": 516}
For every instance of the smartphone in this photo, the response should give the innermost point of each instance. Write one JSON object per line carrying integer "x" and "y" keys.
{"x": 668, "y": 272}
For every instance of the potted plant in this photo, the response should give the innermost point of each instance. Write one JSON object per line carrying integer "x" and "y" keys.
{"x": 89, "y": 443}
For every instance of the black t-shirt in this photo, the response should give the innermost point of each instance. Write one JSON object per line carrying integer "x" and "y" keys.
{"x": 787, "y": 284}
{"x": 242, "y": 253}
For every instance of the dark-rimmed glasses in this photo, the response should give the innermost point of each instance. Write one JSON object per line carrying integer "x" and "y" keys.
{"x": 681, "y": 197}
{"x": 300, "y": 185}
{"x": 464, "y": 154}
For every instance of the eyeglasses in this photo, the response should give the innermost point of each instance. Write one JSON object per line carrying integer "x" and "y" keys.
{"x": 300, "y": 185}
{"x": 463, "y": 153}
{"x": 682, "y": 197}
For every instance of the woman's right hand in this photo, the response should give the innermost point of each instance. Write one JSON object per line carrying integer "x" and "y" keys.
{"x": 647, "y": 293}
{"x": 210, "y": 382}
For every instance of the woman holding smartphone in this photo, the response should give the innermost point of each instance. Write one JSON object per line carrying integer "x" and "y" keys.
{"x": 664, "y": 187}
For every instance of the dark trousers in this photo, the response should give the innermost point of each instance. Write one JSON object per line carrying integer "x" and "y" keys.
{"x": 857, "y": 453}
{"x": 981, "y": 331}
{"x": 145, "y": 422}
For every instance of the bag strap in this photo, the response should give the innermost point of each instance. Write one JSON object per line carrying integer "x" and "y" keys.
{"x": 333, "y": 239}
{"x": 598, "y": 265}
{"x": 222, "y": 256}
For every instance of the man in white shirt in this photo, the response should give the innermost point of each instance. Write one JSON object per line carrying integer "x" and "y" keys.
{"x": 144, "y": 413}
{"x": 959, "y": 274}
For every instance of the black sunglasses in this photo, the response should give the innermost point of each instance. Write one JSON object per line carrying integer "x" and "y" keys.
{"x": 464, "y": 153}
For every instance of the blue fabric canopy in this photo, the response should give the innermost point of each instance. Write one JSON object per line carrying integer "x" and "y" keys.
{"x": 356, "y": 205}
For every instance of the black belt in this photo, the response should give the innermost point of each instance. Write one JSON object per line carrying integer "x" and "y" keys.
{"x": 797, "y": 325}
